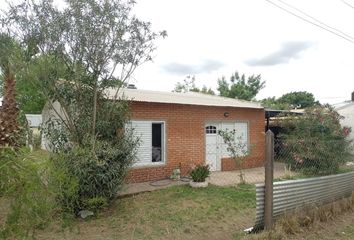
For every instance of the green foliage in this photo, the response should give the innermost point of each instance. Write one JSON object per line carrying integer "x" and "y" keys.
{"x": 292, "y": 100}
{"x": 315, "y": 142}
{"x": 82, "y": 175}
{"x": 80, "y": 52}
{"x": 200, "y": 173}
{"x": 273, "y": 103}
{"x": 79, "y": 56}
{"x": 10, "y": 53}
{"x": 95, "y": 203}
{"x": 298, "y": 99}
{"x": 206, "y": 90}
{"x": 23, "y": 183}
{"x": 188, "y": 85}
{"x": 28, "y": 96}
{"x": 240, "y": 87}
{"x": 37, "y": 140}
{"x": 65, "y": 186}
{"x": 237, "y": 148}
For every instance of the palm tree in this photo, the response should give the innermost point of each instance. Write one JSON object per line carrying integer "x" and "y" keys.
{"x": 9, "y": 111}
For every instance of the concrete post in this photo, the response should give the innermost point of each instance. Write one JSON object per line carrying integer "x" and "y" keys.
{"x": 269, "y": 170}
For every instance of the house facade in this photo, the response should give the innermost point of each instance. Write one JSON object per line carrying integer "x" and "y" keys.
{"x": 180, "y": 130}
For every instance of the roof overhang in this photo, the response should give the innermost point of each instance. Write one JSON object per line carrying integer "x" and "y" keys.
{"x": 190, "y": 98}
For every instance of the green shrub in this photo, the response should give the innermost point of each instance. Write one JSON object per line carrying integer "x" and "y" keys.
{"x": 86, "y": 178}
{"x": 23, "y": 184}
{"x": 315, "y": 143}
{"x": 95, "y": 203}
{"x": 200, "y": 173}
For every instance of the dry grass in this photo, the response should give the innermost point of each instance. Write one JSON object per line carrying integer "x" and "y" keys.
{"x": 314, "y": 223}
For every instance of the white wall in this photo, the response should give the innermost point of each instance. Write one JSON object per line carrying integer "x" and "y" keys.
{"x": 49, "y": 113}
{"x": 34, "y": 120}
{"x": 348, "y": 113}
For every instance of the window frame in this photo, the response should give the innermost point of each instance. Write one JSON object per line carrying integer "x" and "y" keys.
{"x": 211, "y": 128}
{"x": 163, "y": 161}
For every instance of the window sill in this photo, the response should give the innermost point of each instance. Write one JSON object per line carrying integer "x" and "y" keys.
{"x": 149, "y": 165}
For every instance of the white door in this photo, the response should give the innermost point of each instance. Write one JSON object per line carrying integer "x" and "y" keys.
{"x": 215, "y": 148}
{"x": 211, "y": 146}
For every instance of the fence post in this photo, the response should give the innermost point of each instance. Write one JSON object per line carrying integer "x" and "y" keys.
{"x": 269, "y": 170}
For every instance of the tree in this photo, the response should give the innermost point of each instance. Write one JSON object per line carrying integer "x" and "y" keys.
{"x": 298, "y": 99}
{"x": 237, "y": 148}
{"x": 241, "y": 87}
{"x": 83, "y": 53}
{"x": 28, "y": 95}
{"x": 273, "y": 103}
{"x": 206, "y": 90}
{"x": 94, "y": 40}
{"x": 292, "y": 100}
{"x": 188, "y": 85}
{"x": 9, "y": 112}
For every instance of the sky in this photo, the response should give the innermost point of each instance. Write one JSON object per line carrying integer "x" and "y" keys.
{"x": 215, "y": 38}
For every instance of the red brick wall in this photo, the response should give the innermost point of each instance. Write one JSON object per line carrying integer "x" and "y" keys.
{"x": 185, "y": 137}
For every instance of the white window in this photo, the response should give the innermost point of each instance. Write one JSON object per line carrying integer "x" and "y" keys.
{"x": 152, "y": 142}
{"x": 210, "y": 129}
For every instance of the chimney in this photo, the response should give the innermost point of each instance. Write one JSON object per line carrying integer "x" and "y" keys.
{"x": 352, "y": 96}
{"x": 131, "y": 86}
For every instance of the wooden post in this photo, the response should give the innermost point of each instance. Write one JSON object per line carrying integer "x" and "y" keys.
{"x": 269, "y": 169}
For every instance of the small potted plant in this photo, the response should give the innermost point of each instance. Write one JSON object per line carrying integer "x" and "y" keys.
{"x": 199, "y": 175}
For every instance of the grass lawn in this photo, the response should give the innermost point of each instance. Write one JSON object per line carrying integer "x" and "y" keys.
{"x": 178, "y": 212}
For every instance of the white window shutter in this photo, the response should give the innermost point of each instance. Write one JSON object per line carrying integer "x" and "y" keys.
{"x": 142, "y": 129}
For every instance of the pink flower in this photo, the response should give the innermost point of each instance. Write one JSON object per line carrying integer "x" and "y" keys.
{"x": 346, "y": 131}
{"x": 298, "y": 159}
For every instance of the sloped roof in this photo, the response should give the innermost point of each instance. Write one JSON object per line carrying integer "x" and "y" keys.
{"x": 190, "y": 98}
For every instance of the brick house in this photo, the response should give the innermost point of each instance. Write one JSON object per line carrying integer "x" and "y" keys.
{"x": 179, "y": 130}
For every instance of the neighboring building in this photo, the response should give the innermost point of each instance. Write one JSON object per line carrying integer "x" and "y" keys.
{"x": 346, "y": 109}
{"x": 179, "y": 131}
{"x": 34, "y": 120}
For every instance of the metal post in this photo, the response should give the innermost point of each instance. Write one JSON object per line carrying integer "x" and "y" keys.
{"x": 269, "y": 169}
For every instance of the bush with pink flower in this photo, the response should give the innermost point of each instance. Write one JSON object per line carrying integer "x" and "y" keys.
{"x": 315, "y": 142}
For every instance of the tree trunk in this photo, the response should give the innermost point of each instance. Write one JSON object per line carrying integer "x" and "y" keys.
{"x": 8, "y": 111}
{"x": 94, "y": 116}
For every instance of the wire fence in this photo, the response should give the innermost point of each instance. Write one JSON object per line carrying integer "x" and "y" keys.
{"x": 312, "y": 157}
{"x": 317, "y": 172}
